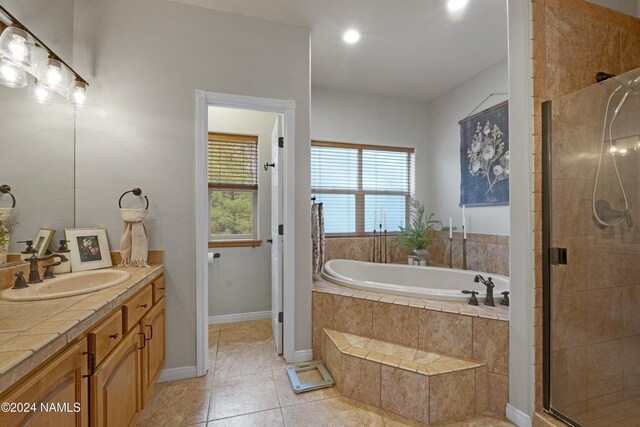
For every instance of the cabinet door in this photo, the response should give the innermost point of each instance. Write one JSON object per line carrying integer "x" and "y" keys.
{"x": 116, "y": 384}
{"x": 154, "y": 351}
{"x": 57, "y": 392}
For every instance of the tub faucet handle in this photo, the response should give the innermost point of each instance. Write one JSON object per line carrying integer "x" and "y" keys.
{"x": 505, "y": 300}
{"x": 473, "y": 300}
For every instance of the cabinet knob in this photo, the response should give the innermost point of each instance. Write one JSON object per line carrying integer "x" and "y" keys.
{"x": 114, "y": 336}
{"x": 143, "y": 305}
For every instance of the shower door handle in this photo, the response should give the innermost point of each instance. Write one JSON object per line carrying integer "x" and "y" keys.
{"x": 558, "y": 256}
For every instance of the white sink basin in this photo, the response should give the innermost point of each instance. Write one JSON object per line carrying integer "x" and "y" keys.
{"x": 67, "y": 285}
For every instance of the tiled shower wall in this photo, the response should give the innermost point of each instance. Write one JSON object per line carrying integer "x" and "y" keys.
{"x": 485, "y": 252}
{"x": 571, "y": 41}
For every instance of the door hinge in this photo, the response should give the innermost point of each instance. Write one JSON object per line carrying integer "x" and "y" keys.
{"x": 558, "y": 256}
{"x": 281, "y": 230}
{"x": 281, "y": 141}
{"x": 280, "y": 317}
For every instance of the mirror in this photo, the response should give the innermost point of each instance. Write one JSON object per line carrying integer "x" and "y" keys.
{"x": 37, "y": 140}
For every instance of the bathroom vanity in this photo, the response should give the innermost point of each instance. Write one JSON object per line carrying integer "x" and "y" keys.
{"x": 89, "y": 359}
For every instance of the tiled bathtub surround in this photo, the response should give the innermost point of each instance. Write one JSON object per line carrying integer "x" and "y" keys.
{"x": 485, "y": 252}
{"x": 452, "y": 329}
{"x": 595, "y": 294}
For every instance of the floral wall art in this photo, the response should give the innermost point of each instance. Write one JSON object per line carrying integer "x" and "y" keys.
{"x": 484, "y": 157}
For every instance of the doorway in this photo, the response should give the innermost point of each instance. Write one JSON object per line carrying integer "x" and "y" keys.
{"x": 268, "y": 261}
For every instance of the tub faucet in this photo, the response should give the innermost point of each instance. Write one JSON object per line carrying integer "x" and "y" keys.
{"x": 34, "y": 274}
{"x": 488, "y": 282}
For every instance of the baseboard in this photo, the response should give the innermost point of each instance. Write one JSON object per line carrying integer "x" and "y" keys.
{"x": 175, "y": 374}
{"x": 301, "y": 356}
{"x": 239, "y": 317}
{"x": 518, "y": 417}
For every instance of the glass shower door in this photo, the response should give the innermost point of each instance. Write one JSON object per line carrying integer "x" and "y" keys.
{"x": 592, "y": 289}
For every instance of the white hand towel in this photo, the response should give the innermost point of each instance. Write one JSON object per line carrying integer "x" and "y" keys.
{"x": 134, "y": 243}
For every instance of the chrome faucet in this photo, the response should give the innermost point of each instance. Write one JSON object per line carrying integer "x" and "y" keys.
{"x": 488, "y": 282}
{"x": 34, "y": 274}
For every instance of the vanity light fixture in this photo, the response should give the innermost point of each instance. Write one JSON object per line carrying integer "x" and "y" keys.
{"x": 351, "y": 36}
{"x": 16, "y": 47}
{"x": 22, "y": 53}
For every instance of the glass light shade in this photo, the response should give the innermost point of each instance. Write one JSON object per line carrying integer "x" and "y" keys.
{"x": 53, "y": 76}
{"x": 78, "y": 93}
{"x": 38, "y": 56}
{"x": 12, "y": 76}
{"x": 16, "y": 47}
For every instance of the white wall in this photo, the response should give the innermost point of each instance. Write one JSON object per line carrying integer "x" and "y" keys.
{"x": 144, "y": 60}
{"x": 444, "y": 150}
{"x": 240, "y": 280}
{"x": 341, "y": 116}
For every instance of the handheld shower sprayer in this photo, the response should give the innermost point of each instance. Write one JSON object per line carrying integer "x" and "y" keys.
{"x": 603, "y": 215}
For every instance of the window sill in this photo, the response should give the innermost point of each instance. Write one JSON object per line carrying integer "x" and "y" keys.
{"x": 235, "y": 243}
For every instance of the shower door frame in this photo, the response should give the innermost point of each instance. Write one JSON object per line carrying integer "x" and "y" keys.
{"x": 547, "y": 233}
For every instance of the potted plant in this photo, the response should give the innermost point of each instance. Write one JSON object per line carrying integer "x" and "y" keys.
{"x": 418, "y": 234}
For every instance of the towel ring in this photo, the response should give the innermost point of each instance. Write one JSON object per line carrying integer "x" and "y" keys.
{"x": 136, "y": 192}
{"x": 5, "y": 189}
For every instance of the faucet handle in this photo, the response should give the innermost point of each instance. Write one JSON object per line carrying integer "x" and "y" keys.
{"x": 490, "y": 283}
{"x": 48, "y": 270}
{"x": 473, "y": 300}
{"x": 505, "y": 300}
{"x": 20, "y": 282}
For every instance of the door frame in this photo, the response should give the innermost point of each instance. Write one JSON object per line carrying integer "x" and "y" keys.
{"x": 287, "y": 108}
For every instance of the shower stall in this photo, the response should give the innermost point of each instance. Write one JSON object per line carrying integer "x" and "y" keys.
{"x": 591, "y": 254}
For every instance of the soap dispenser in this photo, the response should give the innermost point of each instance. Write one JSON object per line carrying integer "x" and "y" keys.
{"x": 64, "y": 267}
{"x": 26, "y": 254}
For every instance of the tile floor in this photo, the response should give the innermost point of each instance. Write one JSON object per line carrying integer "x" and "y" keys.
{"x": 247, "y": 386}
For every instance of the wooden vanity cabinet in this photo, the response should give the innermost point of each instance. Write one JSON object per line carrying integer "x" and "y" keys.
{"x": 115, "y": 386}
{"x": 109, "y": 371}
{"x": 153, "y": 354}
{"x": 58, "y": 391}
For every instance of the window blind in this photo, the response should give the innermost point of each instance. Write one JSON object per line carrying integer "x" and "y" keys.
{"x": 233, "y": 161}
{"x": 354, "y": 182}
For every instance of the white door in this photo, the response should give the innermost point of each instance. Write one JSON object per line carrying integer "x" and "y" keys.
{"x": 276, "y": 238}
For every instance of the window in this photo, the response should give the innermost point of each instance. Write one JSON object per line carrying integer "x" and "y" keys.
{"x": 355, "y": 181}
{"x": 233, "y": 188}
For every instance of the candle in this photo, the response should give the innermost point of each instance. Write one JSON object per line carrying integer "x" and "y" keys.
{"x": 385, "y": 221}
{"x": 375, "y": 220}
{"x": 464, "y": 228}
{"x": 450, "y": 228}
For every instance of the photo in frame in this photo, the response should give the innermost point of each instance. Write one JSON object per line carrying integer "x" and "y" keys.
{"x": 43, "y": 240}
{"x": 89, "y": 248}
{"x": 484, "y": 157}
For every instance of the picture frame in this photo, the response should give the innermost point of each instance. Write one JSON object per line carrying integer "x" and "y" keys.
{"x": 484, "y": 157}
{"x": 89, "y": 248}
{"x": 43, "y": 240}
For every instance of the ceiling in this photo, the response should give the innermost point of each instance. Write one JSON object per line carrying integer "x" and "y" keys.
{"x": 409, "y": 49}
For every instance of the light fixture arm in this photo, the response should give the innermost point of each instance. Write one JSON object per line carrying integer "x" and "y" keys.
{"x": 52, "y": 54}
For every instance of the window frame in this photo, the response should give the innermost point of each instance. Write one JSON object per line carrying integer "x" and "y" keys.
{"x": 360, "y": 193}
{"x": 235, "y": 240}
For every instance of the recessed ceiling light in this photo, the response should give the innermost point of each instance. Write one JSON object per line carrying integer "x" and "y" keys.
{"x": 351, "y": 36}
{"x": 456, "y": 5}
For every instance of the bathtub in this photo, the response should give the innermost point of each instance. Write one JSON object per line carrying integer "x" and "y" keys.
{"x": 413, "y": 281}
